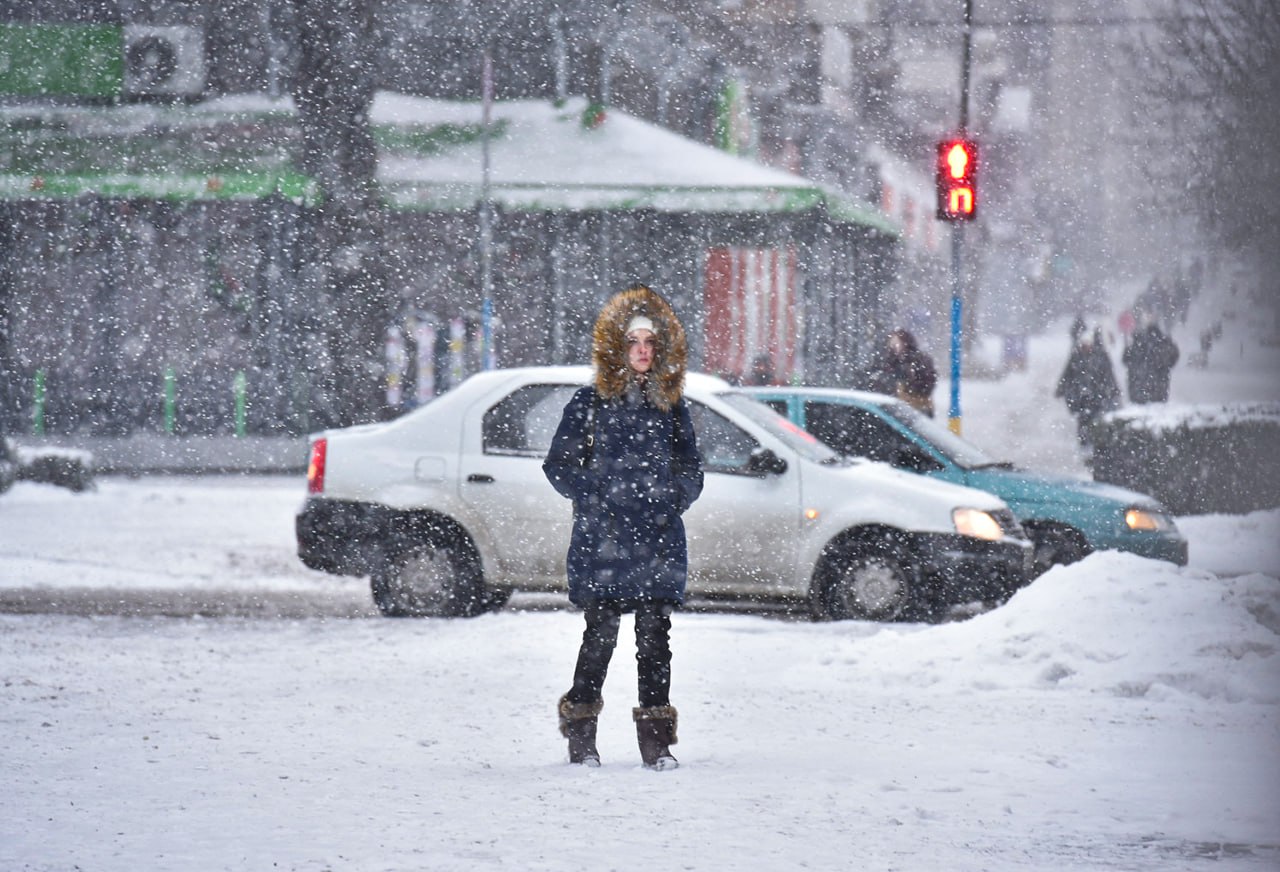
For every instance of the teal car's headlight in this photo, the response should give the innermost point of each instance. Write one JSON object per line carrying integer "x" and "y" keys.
{"x": 977, "y": 523}
{"x": 1147, "y": 521}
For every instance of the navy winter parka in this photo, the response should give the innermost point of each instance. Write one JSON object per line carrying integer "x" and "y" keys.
{"x": 640, "y": 475}
{"x": 640, "y": 471}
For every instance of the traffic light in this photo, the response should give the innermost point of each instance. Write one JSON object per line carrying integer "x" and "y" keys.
{"x": 957, "y": 179}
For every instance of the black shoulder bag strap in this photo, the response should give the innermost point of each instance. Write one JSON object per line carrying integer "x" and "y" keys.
{"x": 592, "y": 412}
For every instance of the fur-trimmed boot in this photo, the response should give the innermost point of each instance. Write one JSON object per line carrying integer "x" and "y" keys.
{"x": 656, "y": 732}
{"x": 578, "y": 725}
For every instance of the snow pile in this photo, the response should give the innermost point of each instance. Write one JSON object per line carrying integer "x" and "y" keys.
{"x": 1160, "y": 417}
{"x": 1112, "y": 623}
{"x": 1235, "y": 544}
{"x": 27, "y": 455}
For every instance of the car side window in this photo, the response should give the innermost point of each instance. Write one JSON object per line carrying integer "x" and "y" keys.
{"x": 852, "y": 431}
{"x": 779, "y": 406}
{"x": 524, "y": 422}
{"x": 723, "y": 445}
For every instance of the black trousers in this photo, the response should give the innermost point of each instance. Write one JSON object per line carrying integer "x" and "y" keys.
{"x": 653, "y": 652}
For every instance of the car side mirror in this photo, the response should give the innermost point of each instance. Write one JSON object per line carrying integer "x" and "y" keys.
{"x": 764, "y": 462}
{"x": 914, "y": 459}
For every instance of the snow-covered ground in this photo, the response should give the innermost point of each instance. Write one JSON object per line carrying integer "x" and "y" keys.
{"x": 1117, "y": 714}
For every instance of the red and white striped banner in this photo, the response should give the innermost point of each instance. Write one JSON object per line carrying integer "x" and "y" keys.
{"x": 749, "y": 303}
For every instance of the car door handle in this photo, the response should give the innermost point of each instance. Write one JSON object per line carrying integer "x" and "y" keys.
{"x": 480, "y": 478}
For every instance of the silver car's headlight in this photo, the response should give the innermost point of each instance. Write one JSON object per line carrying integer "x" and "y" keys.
{"x": 1147, "y": 520}
{"x": 976, "y": 523}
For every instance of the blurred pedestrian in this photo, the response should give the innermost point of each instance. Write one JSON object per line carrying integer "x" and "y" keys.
{"x": 1088, "y": 384}
{"x": 626, "y": 454}
{"x": 1078, "y": 328}
{"x": 905, "y": 371}
{"x": 761, "y": 372}
{"x": 1149, "y": 358}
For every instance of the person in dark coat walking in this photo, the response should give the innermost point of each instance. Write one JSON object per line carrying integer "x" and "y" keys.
{"x": 906, "y": 372}
{"x": 1149, "y": 358}
{"x": 625, "y": 452}
{"x": 1088, "y": 384}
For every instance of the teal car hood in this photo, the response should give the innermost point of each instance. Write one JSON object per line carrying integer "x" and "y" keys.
{"x": 1022, "y": 488}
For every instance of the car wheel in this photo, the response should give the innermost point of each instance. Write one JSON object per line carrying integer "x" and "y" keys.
{"x": 866, "y": 583}
{"x": 1054, "y": 546}
{"x": 429, "y": 580}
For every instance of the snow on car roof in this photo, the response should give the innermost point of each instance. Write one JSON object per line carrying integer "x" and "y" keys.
{"x": 581, "y": 373}
{"x": 865, "y": 396}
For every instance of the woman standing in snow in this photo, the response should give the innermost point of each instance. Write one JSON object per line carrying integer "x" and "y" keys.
{"x": 626, "y": 454}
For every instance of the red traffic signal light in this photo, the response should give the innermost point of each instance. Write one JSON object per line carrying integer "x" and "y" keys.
{"x": 957, "y": 179}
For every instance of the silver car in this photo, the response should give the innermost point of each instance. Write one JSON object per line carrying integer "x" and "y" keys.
{"x": 448, "y": 511}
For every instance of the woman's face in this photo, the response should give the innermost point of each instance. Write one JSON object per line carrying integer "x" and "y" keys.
{"x": 640, "y": 348}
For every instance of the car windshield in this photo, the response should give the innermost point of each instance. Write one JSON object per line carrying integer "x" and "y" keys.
{"x": 801, "y": 441}
{"x": 957, "y": 450}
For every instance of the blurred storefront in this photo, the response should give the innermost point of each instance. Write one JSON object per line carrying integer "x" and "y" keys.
{"x": 155, "y": 267}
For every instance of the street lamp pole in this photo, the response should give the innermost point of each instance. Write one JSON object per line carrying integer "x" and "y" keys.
{"x": 957, "y": 299}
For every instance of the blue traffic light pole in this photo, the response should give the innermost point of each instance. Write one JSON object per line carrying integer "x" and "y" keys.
{"x": 957, "y": 321}
{"x": 957, "y": 299}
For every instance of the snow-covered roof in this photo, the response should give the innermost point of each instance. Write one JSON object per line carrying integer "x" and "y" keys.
{"x": 543, "y": 156}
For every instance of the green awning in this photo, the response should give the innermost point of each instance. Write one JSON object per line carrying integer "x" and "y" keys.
{"x": 544, "y": 157}
{"x": 212, "y": 151}
{"x": 229, "y": 186}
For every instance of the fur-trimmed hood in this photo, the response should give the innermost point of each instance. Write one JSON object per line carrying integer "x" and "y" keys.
{"x": 665, "y": 384}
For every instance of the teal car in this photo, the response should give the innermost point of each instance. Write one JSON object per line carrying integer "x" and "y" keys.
{"x": 1066, "y": 518}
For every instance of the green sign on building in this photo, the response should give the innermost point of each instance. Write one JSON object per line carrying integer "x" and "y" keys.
{"x": 71, "y": 60}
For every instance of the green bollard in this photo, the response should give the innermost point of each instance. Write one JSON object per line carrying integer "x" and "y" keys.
{"x": 238, "y": 388}
{"x": 37, "y": 411}
{"x": 170, "y": 399}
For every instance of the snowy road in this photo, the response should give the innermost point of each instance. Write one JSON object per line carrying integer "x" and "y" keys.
{"x": 186, "y": 603}
{"x": 1121, "y": 714}
{"x": 278, "y": 605}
